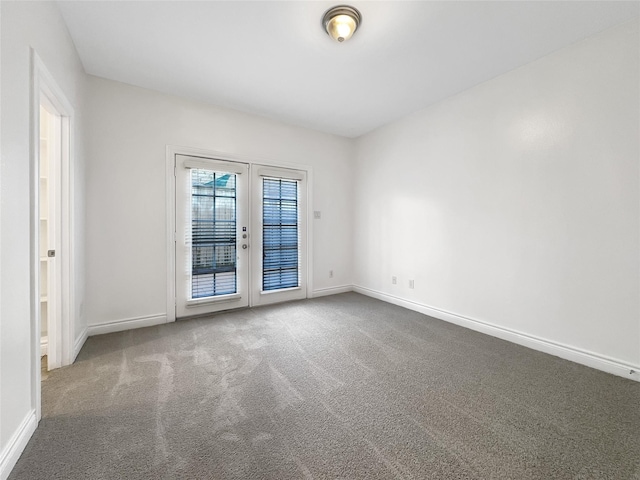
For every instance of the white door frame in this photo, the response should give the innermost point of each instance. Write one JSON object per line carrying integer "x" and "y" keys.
{"x": 171, "y": 152}
{"x": 44, "y": 85}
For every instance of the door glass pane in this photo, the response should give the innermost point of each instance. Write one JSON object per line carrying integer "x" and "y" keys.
{"x": 213, "y": 229}
{"x": 280, "y": 267}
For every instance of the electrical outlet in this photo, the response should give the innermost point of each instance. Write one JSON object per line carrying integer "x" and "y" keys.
{"x": 411, "y": 284}
{"x": 330, "y": 273}
{"x": 394, "y": 280}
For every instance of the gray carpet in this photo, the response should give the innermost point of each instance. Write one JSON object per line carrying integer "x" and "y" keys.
{"x": 336, "y": 387}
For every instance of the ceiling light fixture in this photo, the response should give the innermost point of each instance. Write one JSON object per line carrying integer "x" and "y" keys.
{"x": 341, "y": 22}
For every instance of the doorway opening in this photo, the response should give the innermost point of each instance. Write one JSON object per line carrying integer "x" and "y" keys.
{"x": 51, "y": 244}
{"x": 50, "y": 141}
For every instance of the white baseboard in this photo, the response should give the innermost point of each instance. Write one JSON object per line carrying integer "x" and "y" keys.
{"x": 44, "y": 346}
{"x": 77, "y": 346}
{"x": 574, "y": 354}
{"x": 321, "y": 292}
{"x": 16, "y": 444}
{"x": 126, "y": 324}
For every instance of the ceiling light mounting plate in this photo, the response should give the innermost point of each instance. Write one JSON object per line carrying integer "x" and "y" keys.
{"x": 341, "y": 22}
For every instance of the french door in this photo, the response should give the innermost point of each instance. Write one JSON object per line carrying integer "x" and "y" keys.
{"x": 240, "y": 235}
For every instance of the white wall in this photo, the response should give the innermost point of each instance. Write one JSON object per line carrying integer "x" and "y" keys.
{"x": 128, "y": 131}
{"x": 516, "y": 203}
{"x": 25, "y": 24}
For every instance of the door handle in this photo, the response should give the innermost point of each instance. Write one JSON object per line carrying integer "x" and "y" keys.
{"x": 245, "y": 246}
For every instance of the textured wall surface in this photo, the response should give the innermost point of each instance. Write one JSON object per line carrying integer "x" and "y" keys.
{"x": 516, "y": 203}
{"x": 128, "y": 131}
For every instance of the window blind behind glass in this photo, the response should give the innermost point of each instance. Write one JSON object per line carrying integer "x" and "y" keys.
{"x": 280, "y": 234}
{"x": 213, "y": 229}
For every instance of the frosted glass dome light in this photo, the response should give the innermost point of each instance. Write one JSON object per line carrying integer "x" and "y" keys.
{"x": 341, "y": 22}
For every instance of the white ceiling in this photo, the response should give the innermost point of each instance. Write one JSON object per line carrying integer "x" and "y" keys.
{"x": 273, "y": 58}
